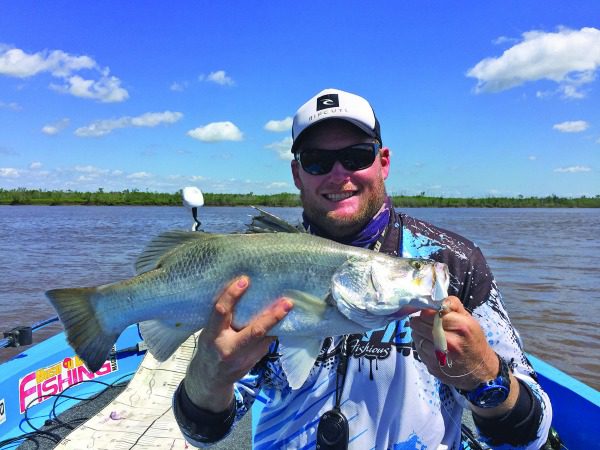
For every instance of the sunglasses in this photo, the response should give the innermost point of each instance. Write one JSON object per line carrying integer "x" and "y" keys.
{"x": 356, "y": 157}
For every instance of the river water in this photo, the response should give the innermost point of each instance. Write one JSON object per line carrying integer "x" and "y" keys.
{"x": 546, "y": 262}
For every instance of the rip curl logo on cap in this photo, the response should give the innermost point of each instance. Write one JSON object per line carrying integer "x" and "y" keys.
{"x": 327, "y": 101}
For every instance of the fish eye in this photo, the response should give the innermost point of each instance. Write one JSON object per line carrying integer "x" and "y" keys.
{"x": 416, "y": 265}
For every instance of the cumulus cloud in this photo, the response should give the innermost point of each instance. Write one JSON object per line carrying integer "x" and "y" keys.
{"x": 105, "y": 88}
{"x": 139, "y": 175}
{"x": 573, "y": 169}
{"x": 568, "y": 57}
{"x": 35, "y": 165}
{"x": 532, "y": 158}
{"x": 278, "y": 126}
{"x": 56, "y": 127}
{"x": 283, "y": 148}
{"x": 8, "y": 172}
{"x": 178, "y": 87}
{"x": 217, "y": 131}
{"x": 13, "y": 106}
{"x": 574, "y": 126}
{"x": 218, "y": 77}
{"x": 104, "y": 127}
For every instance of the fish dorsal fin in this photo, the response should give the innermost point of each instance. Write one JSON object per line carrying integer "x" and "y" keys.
{"x": 265, "y": 222}
{"x": 162, "y": 244}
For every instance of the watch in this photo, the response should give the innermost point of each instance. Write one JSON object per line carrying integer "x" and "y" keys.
{"x": 492, "y": 393}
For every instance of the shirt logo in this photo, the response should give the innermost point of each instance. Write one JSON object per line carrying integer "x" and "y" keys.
{"x": 2, "y": 411}
{"x": 327, "y": 101}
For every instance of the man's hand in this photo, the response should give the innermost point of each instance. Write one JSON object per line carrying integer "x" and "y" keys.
{"x": 473, "y": 360}
{"x": 224, "y": 354}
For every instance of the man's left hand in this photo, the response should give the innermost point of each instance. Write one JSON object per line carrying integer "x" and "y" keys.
{"x": 472, "y": 359}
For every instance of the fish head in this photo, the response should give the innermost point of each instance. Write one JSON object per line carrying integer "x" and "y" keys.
{"x": 377, "y": 290}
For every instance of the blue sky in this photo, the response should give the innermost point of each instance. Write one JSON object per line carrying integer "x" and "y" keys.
{"x": 474, "y": 99}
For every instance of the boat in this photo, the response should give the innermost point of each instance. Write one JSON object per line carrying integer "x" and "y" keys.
{"x": 48, "y": 379}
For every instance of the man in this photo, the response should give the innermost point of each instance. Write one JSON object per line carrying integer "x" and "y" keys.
{"x": 388, "y": 388}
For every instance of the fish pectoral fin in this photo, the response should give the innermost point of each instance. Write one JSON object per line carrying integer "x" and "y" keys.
{"x": 298, "y": 356}
{"x": 308, "y": 302}
{"x": 162, "y": 244}
{"x": 162, "y": 338}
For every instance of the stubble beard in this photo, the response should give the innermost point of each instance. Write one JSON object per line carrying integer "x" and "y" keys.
{"x": 344, "y": 227}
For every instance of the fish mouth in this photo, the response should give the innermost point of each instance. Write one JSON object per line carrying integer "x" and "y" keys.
{"x": 339, "y": 196}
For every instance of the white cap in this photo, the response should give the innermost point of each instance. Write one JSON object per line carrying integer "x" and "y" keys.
{"x": 335, "y": 104}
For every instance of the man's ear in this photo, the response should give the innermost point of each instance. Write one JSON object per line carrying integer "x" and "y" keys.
{"x": 296, "y": 174}
{"x": 384, "y": 160}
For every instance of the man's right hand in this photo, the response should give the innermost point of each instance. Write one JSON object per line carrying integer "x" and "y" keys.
{"x": 224, "y": 354}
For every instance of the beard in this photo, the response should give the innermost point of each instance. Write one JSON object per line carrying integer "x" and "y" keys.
{"x": 347, "y": 225}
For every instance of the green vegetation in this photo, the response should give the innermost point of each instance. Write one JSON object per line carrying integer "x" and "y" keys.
{"x": 134, "y": 197}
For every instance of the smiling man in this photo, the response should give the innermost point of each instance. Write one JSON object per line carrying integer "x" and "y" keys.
{"x": 388, "y": 388}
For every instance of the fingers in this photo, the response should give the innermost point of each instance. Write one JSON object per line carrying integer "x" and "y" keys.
{"x": 261, "y": 325}
{"x": 222, "y": 313}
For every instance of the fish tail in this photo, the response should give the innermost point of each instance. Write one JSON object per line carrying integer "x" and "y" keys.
{"x": 85, "y": 333}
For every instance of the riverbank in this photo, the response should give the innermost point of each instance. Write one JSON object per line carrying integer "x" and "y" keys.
{"x": 139, "y": 198}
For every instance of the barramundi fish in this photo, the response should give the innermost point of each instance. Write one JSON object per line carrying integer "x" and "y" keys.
{"x": 336, "y": 289}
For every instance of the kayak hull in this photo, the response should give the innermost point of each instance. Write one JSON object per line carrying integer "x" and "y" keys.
{"x": 51, "y": 369}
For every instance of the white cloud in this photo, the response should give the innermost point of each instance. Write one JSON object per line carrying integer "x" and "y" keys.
{"x": 55, "y": 127}
{"x": 35, "y": 165}
{"x": 279, "y": 125}
{"x": 573, "y": 169}
{"x": 104, "y": 127}
{"x": 218, "y": 77}
{"x": 283, "y": 148}
{"x": 532, "y": 158}
{"x": 139, "y": 175}
{"x": 568, "y": 57}
{"x": 178, "y": 87}
{"x": 217, "y": 131}
{"x": 9, "y": 172}
{"x": 504, "y": 40}
{"x": 13, "y": 106}
{"x": 573, "y": 126}
{"x": 90, "y": 170}
{"x": 153, "y": 119}
{"x": 14, "y": 62}
{"x": 106, "y": 90}
{"x": 278, "y": 185}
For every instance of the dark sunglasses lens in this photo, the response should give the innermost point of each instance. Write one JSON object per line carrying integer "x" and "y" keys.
{"x": 357, "y": 158}
{"x": 317, "y": 162}
{"x": 320, "y": 162}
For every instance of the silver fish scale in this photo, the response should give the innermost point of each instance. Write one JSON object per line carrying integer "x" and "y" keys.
{"x": 182, "y": 289}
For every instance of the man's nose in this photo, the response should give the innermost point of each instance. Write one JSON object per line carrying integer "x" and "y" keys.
{"x": 338, "y": 171}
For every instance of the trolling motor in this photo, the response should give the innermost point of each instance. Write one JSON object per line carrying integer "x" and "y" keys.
{"x": 193, "y": 198}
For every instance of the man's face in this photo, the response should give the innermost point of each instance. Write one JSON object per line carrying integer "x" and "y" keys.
{"x": 341, "y": 202}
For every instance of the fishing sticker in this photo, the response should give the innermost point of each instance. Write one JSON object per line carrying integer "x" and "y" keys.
{"x": 43, "y": 383}
{"x": 2, "y": 411}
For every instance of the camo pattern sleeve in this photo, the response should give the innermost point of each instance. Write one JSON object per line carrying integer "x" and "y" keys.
{"x": 471, "y": 280}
